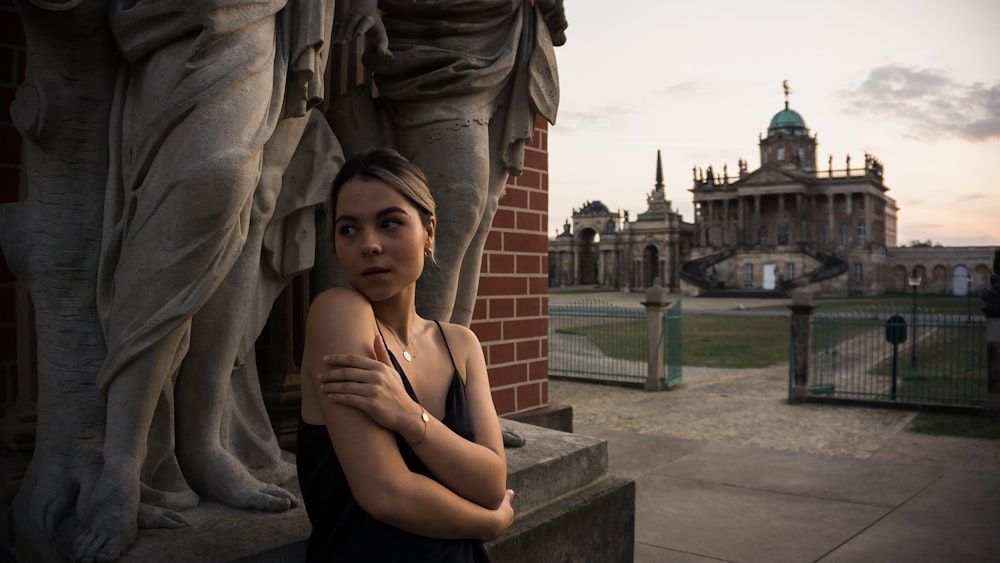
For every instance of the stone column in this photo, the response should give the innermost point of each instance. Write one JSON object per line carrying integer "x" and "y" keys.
{"x": 831, "y": 231}
{"x": 741, "y": 228}
{"x": 656, "y": 304}
{"x": 869, "y": 217}
{"x": 575, "y": 275}
{"x": 991, "y": 297}
{"x": 756, "y": 219}
{"x": 802, "y": 308}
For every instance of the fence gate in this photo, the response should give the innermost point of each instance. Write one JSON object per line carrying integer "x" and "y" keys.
{"x": 593, "y": 340}
{"x": 671, "y": 339}
{"x": 910, "y": 357}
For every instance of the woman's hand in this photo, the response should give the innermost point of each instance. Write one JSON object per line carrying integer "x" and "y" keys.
{"x": 504, "y": 515}
{"x": 371, "y": 386}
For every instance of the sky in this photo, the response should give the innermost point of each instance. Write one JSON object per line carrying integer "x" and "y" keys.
{"x": 916, "y": 83}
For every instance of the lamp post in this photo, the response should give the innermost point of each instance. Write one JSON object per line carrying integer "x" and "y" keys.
{"x": 914, "y": 282}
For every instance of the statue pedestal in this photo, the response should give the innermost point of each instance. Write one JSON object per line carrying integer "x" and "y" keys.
{"x": 567, "y": 509}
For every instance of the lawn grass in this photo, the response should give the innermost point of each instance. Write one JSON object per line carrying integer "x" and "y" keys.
{"x": 962, "y": 425}
{"x": 727, "y": 341}
{"x": 938, "y": 304}
{"x": 735, "y": 341}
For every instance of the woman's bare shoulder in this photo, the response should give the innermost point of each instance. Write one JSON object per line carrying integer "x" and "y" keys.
{"x": 459, "y": 333}
{"x": 462, "y": 341}
{"x": 343, "y": 300}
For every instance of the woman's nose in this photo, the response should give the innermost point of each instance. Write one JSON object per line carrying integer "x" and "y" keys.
{"x": 370, "y": 243}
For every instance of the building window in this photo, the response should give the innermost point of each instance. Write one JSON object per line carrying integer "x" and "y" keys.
{"x": 708, "y": 236}
{"x": 861, "y": 234}
{"x": 762, "y": 236}
{"x": 861, "y": 203}
{"x": 859, "y": 272}
{"x": 843, "y": 234}
{"x": 748, "y": 275}
{"x": 781, "y": 154}
{"x": 824, "y": 234}
{"x": 725, "y": 239}
{"x": 790, "y": 270}
{"x": 782, "y": 233}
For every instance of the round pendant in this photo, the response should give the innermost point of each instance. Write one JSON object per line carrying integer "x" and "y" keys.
{"x": 407, "y": 355}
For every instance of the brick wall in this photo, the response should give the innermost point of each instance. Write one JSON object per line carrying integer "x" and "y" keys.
{"x": 12, "y": 61}
{"x": 511, "y": 315}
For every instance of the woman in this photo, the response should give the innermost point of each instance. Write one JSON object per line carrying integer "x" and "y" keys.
{"x": 394, "y": 465}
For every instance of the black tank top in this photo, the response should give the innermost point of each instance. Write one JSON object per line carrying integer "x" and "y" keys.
{"x": 342, "y": 530}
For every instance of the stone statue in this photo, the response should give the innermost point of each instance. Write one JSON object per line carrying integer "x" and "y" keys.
{"x": 152, "y": 276}
{"x": 459, "y": 85}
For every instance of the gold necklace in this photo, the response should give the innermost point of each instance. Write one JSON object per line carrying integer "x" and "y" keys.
{"x": 406, "y": 353}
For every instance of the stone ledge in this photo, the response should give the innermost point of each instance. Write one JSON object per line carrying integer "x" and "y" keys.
{"x": 594, "y": 524}
{"x": 565, "y": 503}
{"x": 552, "y": 464}
{"x": 554, "y": 417}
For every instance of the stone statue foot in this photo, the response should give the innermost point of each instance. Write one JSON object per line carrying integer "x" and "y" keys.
{"x": 218, "y": 475}
{"x": 151, "y": 517}
{"x": 110, "y": 524}
{"x": 53, "y": 500}
{"x": 55, "y": 491}
{"x": 170, "y": 500}
{"x": 279, "y": 472}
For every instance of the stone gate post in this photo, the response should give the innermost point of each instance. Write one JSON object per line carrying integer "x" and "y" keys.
{"x": 656, "y": 304}
{"x": 802, "y": 308}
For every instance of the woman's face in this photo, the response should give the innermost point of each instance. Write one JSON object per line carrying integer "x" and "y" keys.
{"x": 379, "y": 238}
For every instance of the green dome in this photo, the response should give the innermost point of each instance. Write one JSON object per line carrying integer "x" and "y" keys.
{"x": 787, "y": 122}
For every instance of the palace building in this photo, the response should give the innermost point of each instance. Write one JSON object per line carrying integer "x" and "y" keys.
{"x": 762, "y": 232}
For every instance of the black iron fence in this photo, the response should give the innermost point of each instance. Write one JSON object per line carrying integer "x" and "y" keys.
{"x": 898, "y": 357}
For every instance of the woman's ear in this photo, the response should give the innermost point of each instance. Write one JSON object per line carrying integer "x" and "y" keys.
{"x": 431, "y": 228}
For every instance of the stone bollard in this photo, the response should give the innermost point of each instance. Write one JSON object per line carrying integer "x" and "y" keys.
{"x": 802, "y": 308}
{"x": 991, "y": 297}
{"x": 656, "y": 304}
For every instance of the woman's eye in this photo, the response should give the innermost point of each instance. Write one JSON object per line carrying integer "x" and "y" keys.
{"x": 346, "y": 231}
{"x": 391, "y": 223}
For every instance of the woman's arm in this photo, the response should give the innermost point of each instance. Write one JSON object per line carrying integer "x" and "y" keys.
{"x": 475, "y": 470}
{"x": 379, "y": 479}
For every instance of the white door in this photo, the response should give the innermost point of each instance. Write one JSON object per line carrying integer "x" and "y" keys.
{"x": 960, "y": 281}
{"x": 770, "y": 274}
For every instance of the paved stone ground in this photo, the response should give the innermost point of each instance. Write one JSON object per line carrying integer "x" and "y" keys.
{"x": 749, "y": 407}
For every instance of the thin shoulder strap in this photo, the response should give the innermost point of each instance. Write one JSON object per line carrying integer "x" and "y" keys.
{"x": 378, "y": 327}
{"x": 450, "y": 356}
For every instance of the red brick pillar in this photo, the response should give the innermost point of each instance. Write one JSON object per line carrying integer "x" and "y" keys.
{"x": 511, "y": 314}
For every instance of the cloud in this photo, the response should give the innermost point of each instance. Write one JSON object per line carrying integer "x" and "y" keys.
{"x": 681, "y": 90}
{"x": 590, "y": 119}
{"x": 928, "y": 103}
